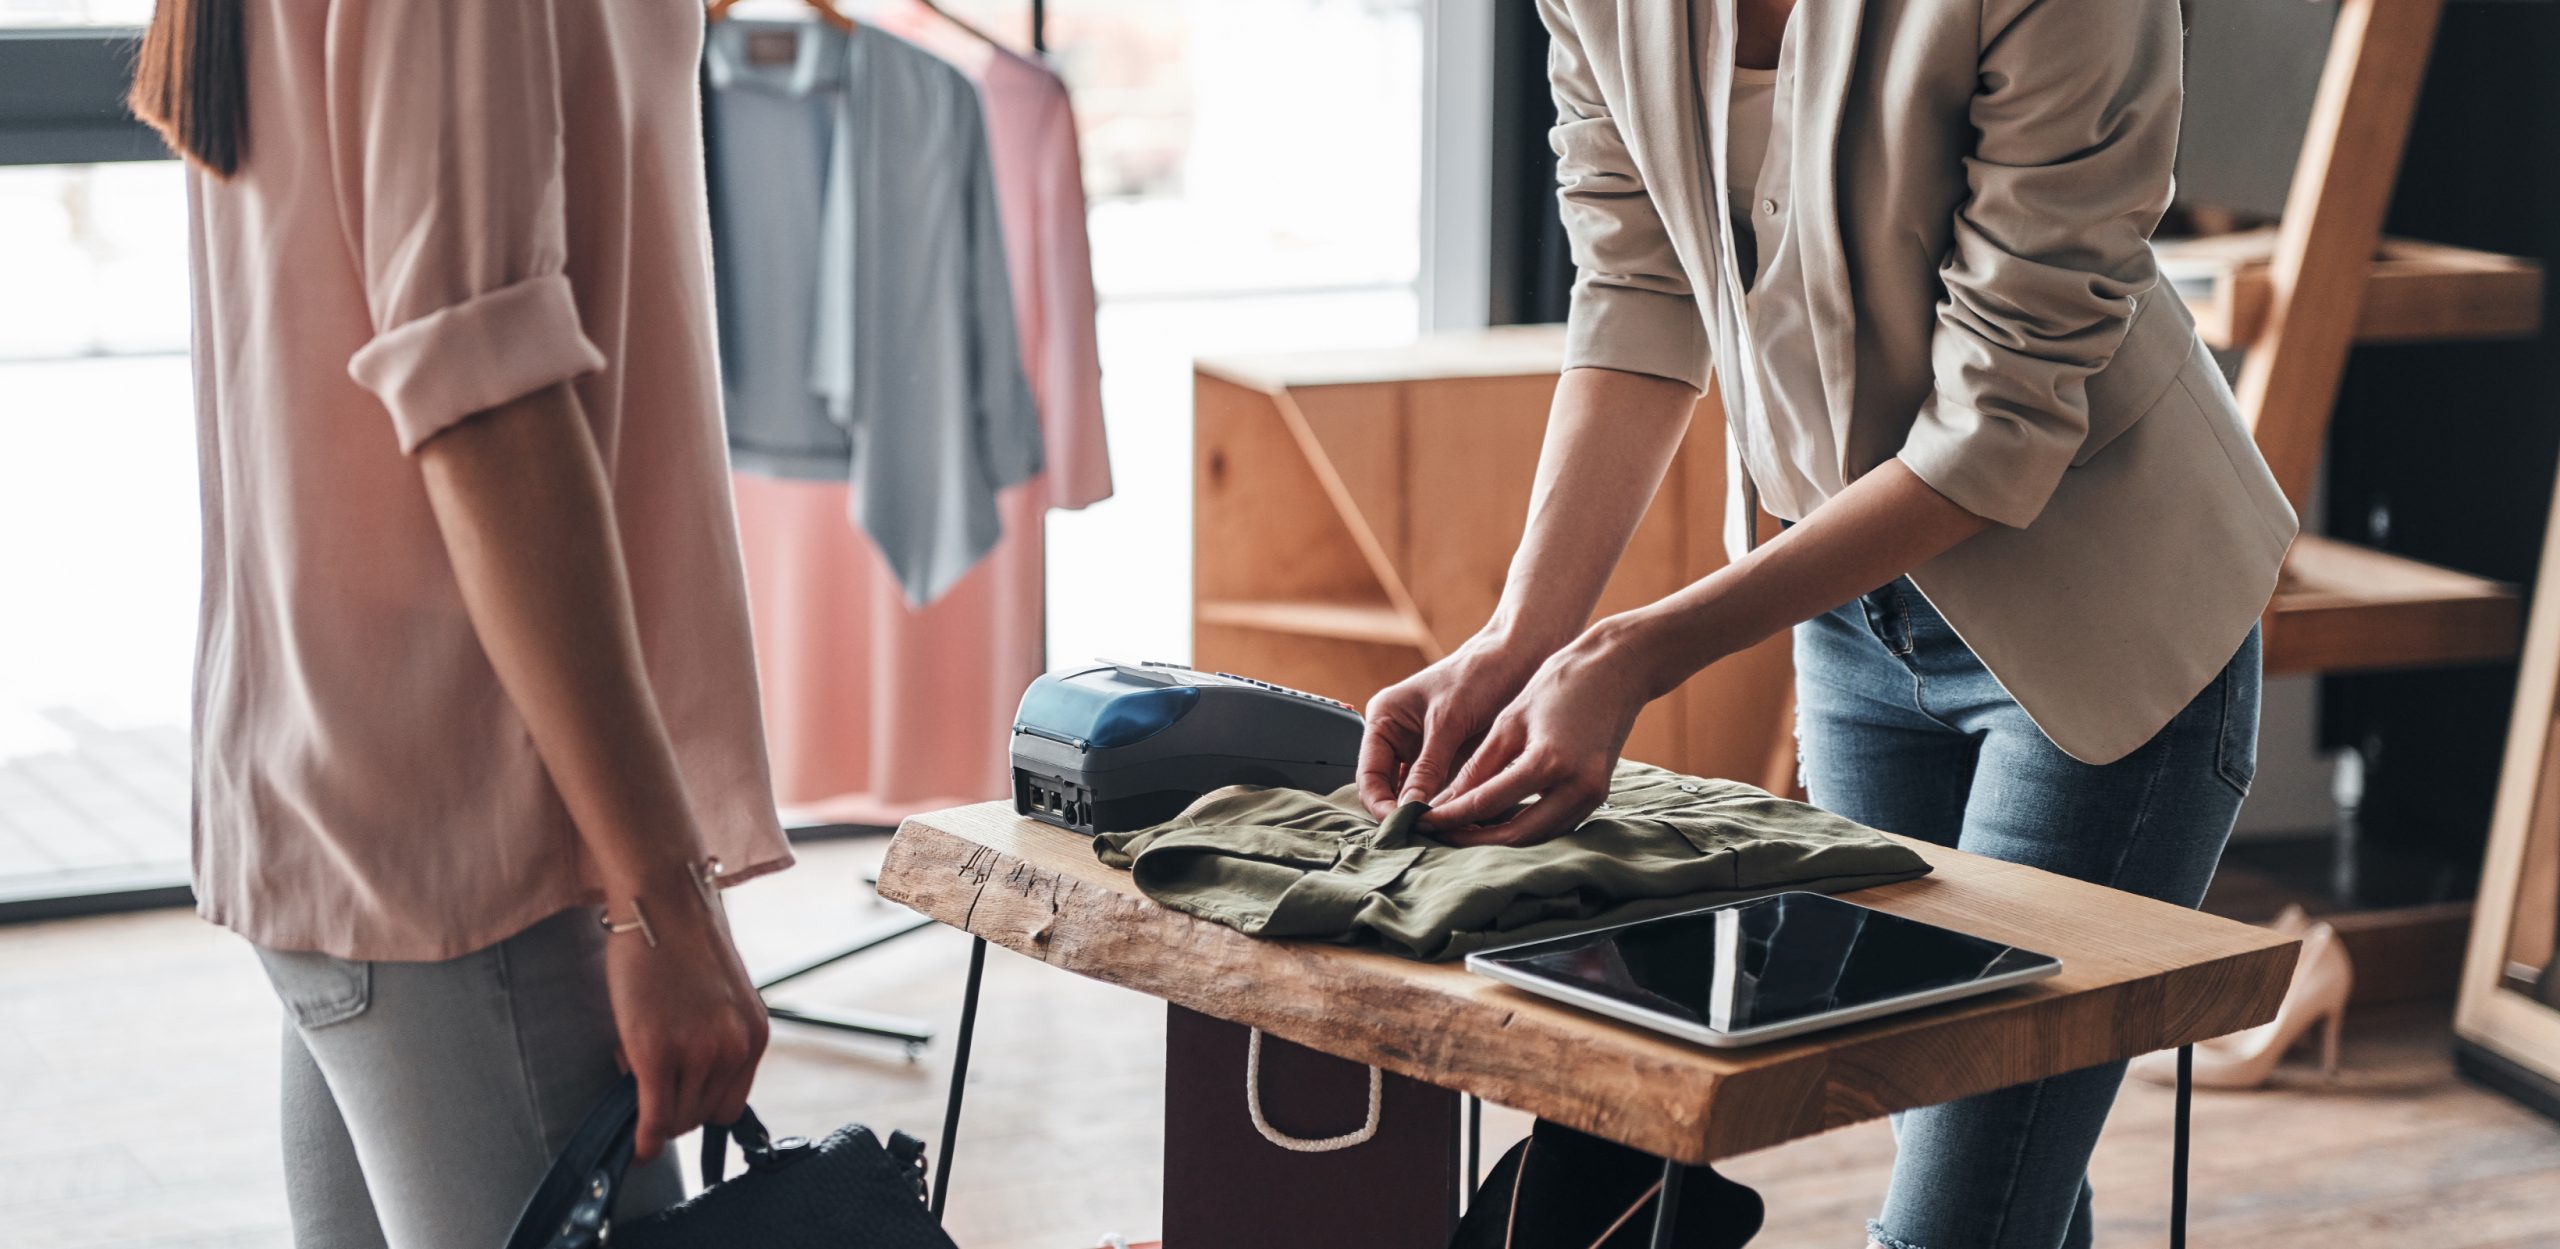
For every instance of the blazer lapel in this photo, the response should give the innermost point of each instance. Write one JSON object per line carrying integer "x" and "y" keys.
{"x": 1829, "y": 55}
{"x": 1661, "y": 122}
{"x": 1666, "y": 133}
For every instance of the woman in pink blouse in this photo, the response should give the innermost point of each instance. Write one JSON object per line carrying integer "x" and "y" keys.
{"x": 476, "y": 729}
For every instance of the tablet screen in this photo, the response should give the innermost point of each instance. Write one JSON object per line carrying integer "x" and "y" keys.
{"x": 1767, "y": 962}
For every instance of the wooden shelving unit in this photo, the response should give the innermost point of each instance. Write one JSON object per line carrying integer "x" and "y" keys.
{"x": 2414, "y": 292}
{"x": 2348, "y": 608}
{"x": 2297, "y": 298}
{"x": 1356, "y": 512}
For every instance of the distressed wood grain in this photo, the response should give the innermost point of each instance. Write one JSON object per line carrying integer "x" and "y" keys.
{"x": 2137, "y": 976}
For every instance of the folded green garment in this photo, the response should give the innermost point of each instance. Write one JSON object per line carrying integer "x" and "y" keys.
{"x": 1287, "y": 863}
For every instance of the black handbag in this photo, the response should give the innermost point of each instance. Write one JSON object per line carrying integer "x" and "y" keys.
{"x": 1562, "y": 1189}
{"x": 846, "y": 1192}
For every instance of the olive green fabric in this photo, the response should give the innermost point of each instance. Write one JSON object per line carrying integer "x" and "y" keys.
{"x": 1287, "y": 863}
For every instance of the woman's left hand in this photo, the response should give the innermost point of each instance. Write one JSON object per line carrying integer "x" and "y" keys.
{"x": 1557, "y": 743}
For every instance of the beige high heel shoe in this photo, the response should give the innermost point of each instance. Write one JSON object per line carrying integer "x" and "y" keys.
{"x": 2317, "y": 996}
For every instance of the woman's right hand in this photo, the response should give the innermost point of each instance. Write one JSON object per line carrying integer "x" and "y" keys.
{"x": 693, "y": 1027}
{"x": 1422, "y": 729}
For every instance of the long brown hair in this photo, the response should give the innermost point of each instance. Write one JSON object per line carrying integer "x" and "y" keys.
{"x": 191, "y": 80}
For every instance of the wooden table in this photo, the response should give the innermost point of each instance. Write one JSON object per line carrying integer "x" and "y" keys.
{"x": 2136, "y": 976}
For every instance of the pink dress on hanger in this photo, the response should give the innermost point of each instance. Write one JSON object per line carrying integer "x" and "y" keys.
{"x": 874, "y": 711}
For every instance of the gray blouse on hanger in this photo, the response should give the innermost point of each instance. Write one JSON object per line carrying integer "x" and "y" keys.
{"x": 866, "y": 320}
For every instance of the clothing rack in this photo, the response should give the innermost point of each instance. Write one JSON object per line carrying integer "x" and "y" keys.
{"x": 913, "y": 1034}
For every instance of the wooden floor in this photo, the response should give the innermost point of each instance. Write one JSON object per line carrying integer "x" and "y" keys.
{"x": 137, "y": 1052}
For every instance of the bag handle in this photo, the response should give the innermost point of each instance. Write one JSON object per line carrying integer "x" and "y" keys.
{"x": 573, "y": 1206}
{"x": 754, "y": 1144}
{"x": 1361, "y": 1135}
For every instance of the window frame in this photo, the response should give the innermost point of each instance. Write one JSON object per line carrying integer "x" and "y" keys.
{"x": 62, "y": 97}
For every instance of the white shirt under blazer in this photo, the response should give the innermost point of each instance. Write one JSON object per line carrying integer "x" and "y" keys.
{"x": 1973, "y": 185}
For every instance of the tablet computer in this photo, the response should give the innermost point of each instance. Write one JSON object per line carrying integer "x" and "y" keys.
{"x": 1755, "y": 971}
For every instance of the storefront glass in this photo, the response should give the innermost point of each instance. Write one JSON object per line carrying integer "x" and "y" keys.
{"x": 98, "y": 521}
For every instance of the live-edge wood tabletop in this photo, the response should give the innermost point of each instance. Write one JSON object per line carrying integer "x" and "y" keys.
{"x": 2137, "y": 976}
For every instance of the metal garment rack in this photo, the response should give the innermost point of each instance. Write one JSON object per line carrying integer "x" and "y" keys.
{"x": 914, "y": 1034}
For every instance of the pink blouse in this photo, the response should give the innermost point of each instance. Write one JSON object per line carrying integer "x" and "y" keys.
{"x": 447, "y": 204}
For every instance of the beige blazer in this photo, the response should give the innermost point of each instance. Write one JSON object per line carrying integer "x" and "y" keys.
{"x": 1975, "y": 183}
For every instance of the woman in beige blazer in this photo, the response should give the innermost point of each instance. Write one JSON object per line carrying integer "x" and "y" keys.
{"x": 2028, "y": 535}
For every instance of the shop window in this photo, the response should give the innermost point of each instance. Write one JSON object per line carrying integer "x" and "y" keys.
{"x": 1255, "y": 176}
{"x": 98, "y": 510}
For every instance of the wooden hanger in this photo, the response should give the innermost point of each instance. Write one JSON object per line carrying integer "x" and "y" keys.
{"x": 827, "y": 12}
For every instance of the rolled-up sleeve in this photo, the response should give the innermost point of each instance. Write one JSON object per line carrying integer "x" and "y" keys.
{"x": 2076, "y": 129}
{"x": 1632, "y": 309}
{"x": 446, "y": 137}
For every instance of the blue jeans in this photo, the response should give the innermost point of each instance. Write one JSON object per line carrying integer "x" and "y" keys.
{"x": 1900, "y": 727}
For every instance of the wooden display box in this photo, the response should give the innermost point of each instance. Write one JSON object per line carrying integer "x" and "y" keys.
{"x": 1355, "y": 513}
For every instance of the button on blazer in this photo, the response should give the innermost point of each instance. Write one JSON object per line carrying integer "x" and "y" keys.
{"x": 1976, "y": 182}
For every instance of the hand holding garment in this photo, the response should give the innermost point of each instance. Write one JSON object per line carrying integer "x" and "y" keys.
{"x": 1287, "y": 863}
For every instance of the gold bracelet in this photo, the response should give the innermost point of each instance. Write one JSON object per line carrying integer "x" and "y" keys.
{"x": 639, "y": 923}
{"x": 705, "y": 873}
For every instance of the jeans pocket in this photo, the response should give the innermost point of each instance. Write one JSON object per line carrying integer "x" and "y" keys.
{"x": 1888, "y": 617}
{"x": 318, "y": 989}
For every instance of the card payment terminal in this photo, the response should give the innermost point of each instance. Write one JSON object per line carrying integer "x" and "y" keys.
{"x": 1117, "y": 746}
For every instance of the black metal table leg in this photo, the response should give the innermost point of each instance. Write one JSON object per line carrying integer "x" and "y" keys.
{"x": 2178, "y": 1149}
{"x": 959, "y": 1075}
{"x": 1666, "y": 1210}
{"x": 1475, "y": 1143}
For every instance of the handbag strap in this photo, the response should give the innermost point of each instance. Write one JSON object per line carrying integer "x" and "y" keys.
{"x": 574, "y": 1202}
{"x": 754, "y": 1143}
{"x": 573, "y": 1206}
{"x": 1520, "y": 1181}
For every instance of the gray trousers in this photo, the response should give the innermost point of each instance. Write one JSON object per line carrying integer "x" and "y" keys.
{"x": 423, "y": 1101}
